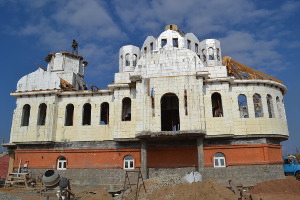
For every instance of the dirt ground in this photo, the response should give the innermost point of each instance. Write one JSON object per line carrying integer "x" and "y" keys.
{"x": 287, "y": 188}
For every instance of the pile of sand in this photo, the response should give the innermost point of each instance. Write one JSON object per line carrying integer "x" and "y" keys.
{"x": 208, "y": 190}
{"x": 288, "y": 186}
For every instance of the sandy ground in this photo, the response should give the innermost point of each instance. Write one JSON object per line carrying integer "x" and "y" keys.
{"x": 287, "y": 188}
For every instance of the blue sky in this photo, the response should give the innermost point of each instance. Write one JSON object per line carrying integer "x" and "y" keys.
{"x": 261, "y": 34}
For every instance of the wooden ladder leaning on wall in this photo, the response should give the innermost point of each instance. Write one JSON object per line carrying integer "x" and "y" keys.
{"x": 130, "y": 184}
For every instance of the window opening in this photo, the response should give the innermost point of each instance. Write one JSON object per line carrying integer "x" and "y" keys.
{"x": 258, "y": 109}
{"x": 126, "y": 109}
{"x": 25, "y": 115}
{"x": 270, "y": 106}
{"x": 134, "y": 58}
{"x": 189, "y": 44}
{"x": 151, "y": 46}
{"x": 219, "y": 160}
{"x": 152, "y": 102}
{"x": 42, "y": 114}
{"x": 210, "y": 53}
{"x": 278, "y": 103}
{"x": 69, "y": 115}
{"x": 217, "y": 108}
{"x": 163, "y": 42}
{"x": 196, "y": 48}
{"x": 127, "y": 61}
{"x": 203, "y": 54}
{"x": 185, "y": 102}
{"x": 170, "y": 112}
{"x": 243, "y": 106}
{"x": 104, "y": 113}
{"x": 145, "y": 50}
{"x": 61, "y": 163}
{"x": 175, "y": 42}
{"x": 128, "y": 162}
{"x": 86, "y": 117}
{"x": 218, "y": 53}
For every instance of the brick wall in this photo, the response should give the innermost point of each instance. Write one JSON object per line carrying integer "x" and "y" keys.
{"x": 4, "y": 163}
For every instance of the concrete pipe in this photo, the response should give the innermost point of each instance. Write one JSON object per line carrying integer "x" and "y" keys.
{"x": 51, "y": 178}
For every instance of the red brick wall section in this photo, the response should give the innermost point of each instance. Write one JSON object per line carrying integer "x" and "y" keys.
{"x": 4, "y": 163}
{"x": 158, "y": 157}
{"x": 76, "y": 158}
{"x": 165, "y": 157}
{"x": 247, "y": 154}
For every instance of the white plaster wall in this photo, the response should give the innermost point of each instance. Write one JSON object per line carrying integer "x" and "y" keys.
{"x": 34, "y": 132}
{"x": 149, "y": 39}
{"x": 231, "y": 123}
{"x": 169, "y": 35}
{"x": 194, "y": 40}
{"x": 169, "y": 61}
{"x": 38, "y": 80}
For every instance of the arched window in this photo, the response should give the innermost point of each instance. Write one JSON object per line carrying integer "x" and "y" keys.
{"x": 175, "y": 42}
{"x": 243, "y": 106}
{"x": 86, "y": 115}
{"x": 170, "y": 120}
{"x": 189, "y": 46}
{"x": 25, "y": 115}
{"x": 69, "y": 115}
{"x": 42, "y": 114}
{"x": 219, "y": 160}
{"x": 61, "y": 163}
{"x": 134, "y": 59}
{"x": 211, "y": 53}
{"x": 196, "y": 48}
{"x": 128, "y": 162}
{"x": 127, "y": 60}
{"x": 163, "y": 42}
{"x": 216, "y": 102}
{"x": 218, "y": 53}
{"x": 258, "y": 109}
{"x": 104, "y": 113}
{"x": 126, "y": 109}
{"x": 270, "y": 106}
{"x": 278, "y": 103}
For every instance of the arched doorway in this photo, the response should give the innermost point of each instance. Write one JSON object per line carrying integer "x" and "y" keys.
{"x": 170, "y": 112}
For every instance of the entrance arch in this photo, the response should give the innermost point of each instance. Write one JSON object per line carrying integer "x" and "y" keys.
{"x": 170, "y": 112}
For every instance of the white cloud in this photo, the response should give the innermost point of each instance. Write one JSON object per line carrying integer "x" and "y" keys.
{"x": 251, "y": 51}
{"x": 201, "y": 17}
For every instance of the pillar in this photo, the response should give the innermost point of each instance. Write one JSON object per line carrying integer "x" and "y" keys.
{"x": 144, "y": 159}
{"x": 200, "y": 153}
{"x": 11, "y": 154}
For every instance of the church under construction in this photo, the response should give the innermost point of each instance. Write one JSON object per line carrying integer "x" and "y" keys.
{"x": 175, "y": 106}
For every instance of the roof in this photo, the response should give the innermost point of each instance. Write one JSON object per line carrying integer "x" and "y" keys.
{"x": 240, "y": 71}
{"x": 50, "y": 55}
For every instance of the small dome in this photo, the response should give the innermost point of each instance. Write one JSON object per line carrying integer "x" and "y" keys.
{"x": 172, "y": 27}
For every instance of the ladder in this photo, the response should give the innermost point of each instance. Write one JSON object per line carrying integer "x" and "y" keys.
{"x": 130, "y": 184}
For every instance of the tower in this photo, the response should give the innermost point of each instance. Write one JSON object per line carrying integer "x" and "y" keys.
{"x": 211, "y": 52}
{"x": 128, "y": 58}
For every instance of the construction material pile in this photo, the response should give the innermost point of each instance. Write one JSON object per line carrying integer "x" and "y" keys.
{"x": 279, "y": 189}
{"x": 175, "y": 188}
